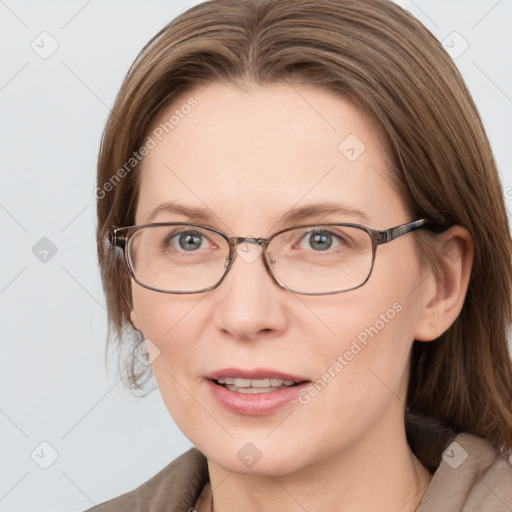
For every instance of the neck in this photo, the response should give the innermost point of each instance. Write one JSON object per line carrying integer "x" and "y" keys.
{"x": 377, "y": 473}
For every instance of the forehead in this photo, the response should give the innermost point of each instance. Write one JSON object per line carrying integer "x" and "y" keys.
{"x": 248, "y": 157}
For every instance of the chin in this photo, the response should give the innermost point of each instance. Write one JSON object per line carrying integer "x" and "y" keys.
{"x": 255, "y": 457}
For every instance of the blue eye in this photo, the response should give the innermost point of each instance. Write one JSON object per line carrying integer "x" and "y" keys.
{"x": 321, "y": 240}
{"x": 190, "y": 241}
{"x": 185, "y": 240}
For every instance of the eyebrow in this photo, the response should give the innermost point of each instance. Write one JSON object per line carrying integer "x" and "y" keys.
{"x": 322, "y": 210}
{"x": 294, "y": 215}
{"x": 193, "y": 213}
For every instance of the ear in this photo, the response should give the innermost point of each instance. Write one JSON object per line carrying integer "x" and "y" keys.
{"x": 134, "y": 319}
{"x": 445, "y": 293}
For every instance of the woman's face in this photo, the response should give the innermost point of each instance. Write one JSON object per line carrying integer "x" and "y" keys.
{"x": 246, "y": 160}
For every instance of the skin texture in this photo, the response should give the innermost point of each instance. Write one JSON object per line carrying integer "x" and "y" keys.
{"x": 248, "y": 158}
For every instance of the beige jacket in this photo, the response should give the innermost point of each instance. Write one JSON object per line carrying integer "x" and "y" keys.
{"x": 471, "y": 477}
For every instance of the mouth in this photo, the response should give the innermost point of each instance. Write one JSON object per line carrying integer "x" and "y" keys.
{"x": 254, "y": 392}
{"x": 255, "y": 386}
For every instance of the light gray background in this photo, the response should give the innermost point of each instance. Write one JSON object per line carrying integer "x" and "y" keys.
{"x": 54, "y": 386}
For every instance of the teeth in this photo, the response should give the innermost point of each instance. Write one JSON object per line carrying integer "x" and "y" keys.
{"x": 226, "y": 380}
{"x": 254, "y": 385}
{"x": 259, "y": 383}
{"x": 254, "y": 390}
{"x": 243, "y": 383}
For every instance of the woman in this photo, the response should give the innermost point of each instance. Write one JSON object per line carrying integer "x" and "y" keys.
{"x": 307, "y": 234}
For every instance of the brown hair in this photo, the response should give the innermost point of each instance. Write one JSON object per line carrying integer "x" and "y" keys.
{"x": 379, "y": 56}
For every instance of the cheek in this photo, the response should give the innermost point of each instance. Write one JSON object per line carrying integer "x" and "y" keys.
{"x": 172, "y": 324}
{"x": 367, "y": 336}
{"x": 369, "y": 331}
{"x": 361, "y": 372}
{"x": 163, "y": 317}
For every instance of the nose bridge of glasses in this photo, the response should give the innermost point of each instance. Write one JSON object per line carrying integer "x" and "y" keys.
{"x": 248, "y": 248}
{"x": 237, "y": 240}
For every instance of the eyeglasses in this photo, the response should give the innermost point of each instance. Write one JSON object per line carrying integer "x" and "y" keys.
{"x": 317, "y": 259}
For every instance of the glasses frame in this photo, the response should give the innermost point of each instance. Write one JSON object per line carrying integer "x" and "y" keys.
{"x": 119, "y": 237}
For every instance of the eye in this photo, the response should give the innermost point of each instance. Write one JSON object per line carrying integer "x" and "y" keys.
{"x": 186, "y": 240}
{"x": 321, "y": 240}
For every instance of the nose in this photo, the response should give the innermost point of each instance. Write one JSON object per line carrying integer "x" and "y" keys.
{"x": 250, "y": 303}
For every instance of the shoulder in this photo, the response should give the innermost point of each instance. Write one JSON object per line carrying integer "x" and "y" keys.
{"x": 471, "y": 476}
{"x": 176, "y": 487}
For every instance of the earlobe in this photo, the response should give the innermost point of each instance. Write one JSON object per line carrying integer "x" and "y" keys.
{"x": 447, "y": 291}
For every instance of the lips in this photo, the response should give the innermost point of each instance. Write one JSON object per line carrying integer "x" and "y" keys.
{"x": 255, "y": 374}
{"x": 254, "y": 392}
{"x": 254, "y": 381}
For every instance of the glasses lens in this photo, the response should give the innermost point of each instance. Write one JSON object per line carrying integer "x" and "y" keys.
{"x": 178, "y": 258}
{"x": 321, "y": 259}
